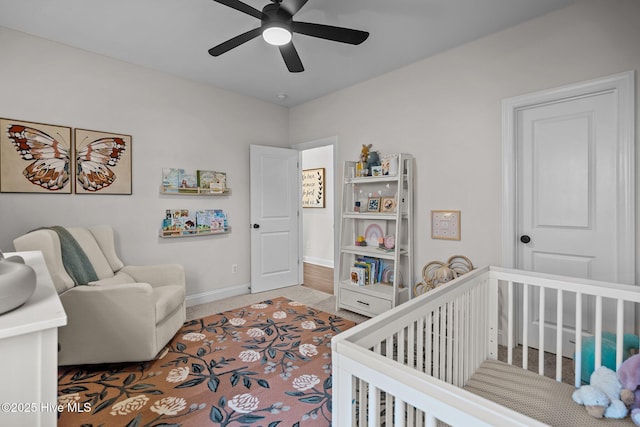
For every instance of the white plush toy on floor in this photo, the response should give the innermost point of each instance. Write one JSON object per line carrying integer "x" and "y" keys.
{"x": 602, "y": 397}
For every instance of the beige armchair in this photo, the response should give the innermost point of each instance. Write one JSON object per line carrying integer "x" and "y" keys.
{"x": 127, "y": 315}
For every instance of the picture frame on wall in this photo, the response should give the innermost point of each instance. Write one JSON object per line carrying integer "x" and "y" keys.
{"x": 103, "y": 162}
{"x": 445, "y": 225}
{"x": 313, "y": 188}
{"x": 35, "y": 157}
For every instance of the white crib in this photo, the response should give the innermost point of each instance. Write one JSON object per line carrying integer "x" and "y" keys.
{"x": 409, "y": 366}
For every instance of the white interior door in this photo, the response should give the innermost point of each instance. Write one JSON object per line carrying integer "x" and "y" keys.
{"x": 275, "y": 190}
{"x": 573, "y": 213}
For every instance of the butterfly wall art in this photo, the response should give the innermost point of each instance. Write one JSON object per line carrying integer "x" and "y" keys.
{"x": 34, "y": 157}
{"x": 37, "y": 158}
{"x": 103, "y": 162}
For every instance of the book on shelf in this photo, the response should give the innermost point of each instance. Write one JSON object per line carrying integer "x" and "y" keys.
{"x": 170, "y": 180}
{"x": 219, "y": 182}
{"x": 203, "y": 220}
{"x": 206, "y": 179}
{"x": 357, "y": 276}
{"x": 188, "y": 181}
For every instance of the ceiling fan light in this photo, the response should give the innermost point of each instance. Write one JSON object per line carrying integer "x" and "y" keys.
{"x": 276, "y": 36}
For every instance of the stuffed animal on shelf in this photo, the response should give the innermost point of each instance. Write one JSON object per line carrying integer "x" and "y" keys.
{"x": 629, "y": 376}
{"x": 604, "y": 396}
{"x": 365, "y": 153}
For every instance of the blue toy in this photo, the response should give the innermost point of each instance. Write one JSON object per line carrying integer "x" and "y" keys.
{"x": 629, "y": 342}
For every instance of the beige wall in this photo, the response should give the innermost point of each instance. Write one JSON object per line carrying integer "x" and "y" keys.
{"x": 173, "y": 122}
{"x": 446, "y": 111}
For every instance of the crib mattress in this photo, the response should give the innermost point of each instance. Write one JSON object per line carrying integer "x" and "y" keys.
{"x": 536, "y": 396}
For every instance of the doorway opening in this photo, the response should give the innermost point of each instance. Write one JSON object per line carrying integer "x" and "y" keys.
{"x": 317, "y": 242}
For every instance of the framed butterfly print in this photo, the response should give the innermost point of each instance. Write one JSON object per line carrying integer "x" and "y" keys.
{"x": 34, "y": 157}
{"x": 103, "y": 162}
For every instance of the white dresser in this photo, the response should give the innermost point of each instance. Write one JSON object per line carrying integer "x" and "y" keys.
{"x": 29, "y": 353}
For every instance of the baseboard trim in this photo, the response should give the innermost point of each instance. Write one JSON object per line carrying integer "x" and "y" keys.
{"x": 217, "y": 294}
{"x": 318, "y": 261}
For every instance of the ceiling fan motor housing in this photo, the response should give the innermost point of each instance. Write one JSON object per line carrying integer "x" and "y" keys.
{"x": 275, "y": 16}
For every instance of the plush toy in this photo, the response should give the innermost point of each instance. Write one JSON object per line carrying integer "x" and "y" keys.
{"x": 629, "y": 376}
{"x": 365, "y": 153}
{"x": 602, "y": 398}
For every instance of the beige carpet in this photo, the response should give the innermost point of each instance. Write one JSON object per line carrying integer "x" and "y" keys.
{"x": 316, "y": 299}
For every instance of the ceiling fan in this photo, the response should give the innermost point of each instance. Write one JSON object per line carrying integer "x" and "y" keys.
{"x": 277, "y": 28}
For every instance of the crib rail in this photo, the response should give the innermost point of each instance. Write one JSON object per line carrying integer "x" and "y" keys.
{"x": 405, "y": 367}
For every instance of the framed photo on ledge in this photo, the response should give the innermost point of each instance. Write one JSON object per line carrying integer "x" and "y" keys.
{"x": 373, "y": 204}
{"x": 388, "y": 204}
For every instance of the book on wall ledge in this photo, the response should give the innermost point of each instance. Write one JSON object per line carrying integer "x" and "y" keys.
{"x": 177, "y": 180}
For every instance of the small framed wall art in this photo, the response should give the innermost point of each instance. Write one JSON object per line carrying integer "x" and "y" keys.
{"x": 445, "y": 225}
{"x": 103, "y": 162}
{"x": 313, "y": 188}
{"x": 34, "y": 157}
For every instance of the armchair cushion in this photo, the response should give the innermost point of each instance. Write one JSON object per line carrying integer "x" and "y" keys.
{"x": 119, "y": 278}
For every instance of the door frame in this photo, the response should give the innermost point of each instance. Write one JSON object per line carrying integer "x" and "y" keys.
{"x": 622, "y": 84}
{"x": 322, "y": 142}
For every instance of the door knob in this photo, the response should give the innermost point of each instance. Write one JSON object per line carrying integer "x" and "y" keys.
{"x": 256, "y": 225}
{"x": 525, "y": 239}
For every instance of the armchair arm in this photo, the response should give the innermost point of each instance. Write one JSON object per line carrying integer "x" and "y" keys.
{"x": 157, "y": 275}
{"x": 97, "y": 315}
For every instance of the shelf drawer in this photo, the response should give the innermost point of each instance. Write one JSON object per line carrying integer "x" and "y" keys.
{"x": 363, "y": 303}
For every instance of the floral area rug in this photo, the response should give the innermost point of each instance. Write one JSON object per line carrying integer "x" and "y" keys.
{"x": 267, "y": 365}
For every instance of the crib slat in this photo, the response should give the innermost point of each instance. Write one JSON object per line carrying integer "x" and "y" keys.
{"x": 420, "y": 347}
{"x": 428, "y": 360}
{"x": 541, "y": 322}
{"x": 364, "y": 402}
{"x": 578, "y": 356}
{"x": 598, "y": 332}
{"x": 398, "y": 420}
{"x": 449, "y": 345}
{"x": 525, "y": 326}
{"x": 619, "y": 332}
{"x": 456, "y": 347}
{"x": 401, "y": 344}
{"x": 373, "y": 411}
{"x": 443, "y": 345}
{"x": 559, "y": 334}
{"x": 510, "y": 322}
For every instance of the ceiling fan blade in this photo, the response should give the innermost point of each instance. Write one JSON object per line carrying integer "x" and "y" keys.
{"x": 329, "y": 32}
{"x": 293, "y": 6}
{"x": 235, "y": 42}
{"x": 242, "y": 7}
{"x": 291, "y": 58}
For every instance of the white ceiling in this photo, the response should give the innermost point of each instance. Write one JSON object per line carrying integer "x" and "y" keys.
{"x": 174, "y": 35}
